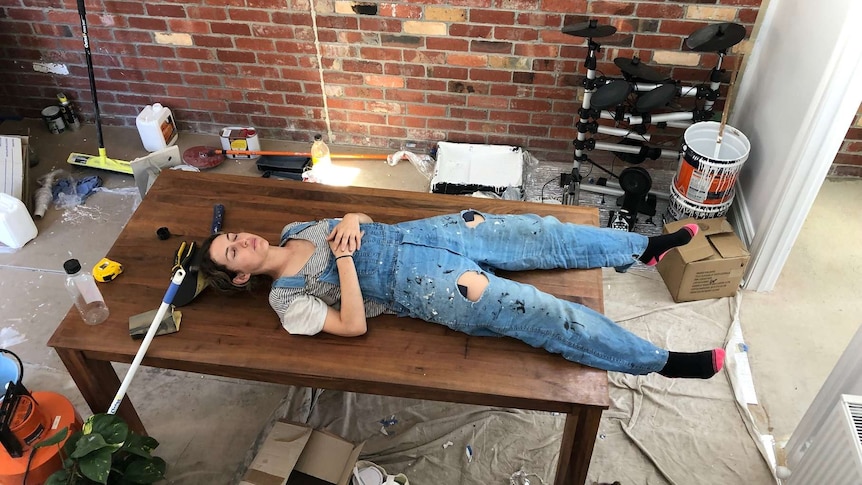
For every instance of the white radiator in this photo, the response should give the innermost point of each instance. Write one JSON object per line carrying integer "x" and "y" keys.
{"x": 833, "y": 454}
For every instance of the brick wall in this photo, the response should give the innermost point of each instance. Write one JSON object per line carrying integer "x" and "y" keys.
{"x": 364, "y": 73}
{"x": 848, "y": 162}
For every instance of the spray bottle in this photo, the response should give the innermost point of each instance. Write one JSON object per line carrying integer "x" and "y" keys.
{"x": 320, "y": 153}
{"x": 69, "y": 115}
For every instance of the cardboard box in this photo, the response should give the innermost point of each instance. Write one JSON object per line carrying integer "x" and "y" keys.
{"x": 295, "y": 454}
{"x": 710, "y": 266}
{"x": 14, "y": 168}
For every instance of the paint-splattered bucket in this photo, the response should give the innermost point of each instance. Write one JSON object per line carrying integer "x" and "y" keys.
{"x": 679, "y": 208}
{"x": 53, "y": 117}
{"x": 704, "y": 175}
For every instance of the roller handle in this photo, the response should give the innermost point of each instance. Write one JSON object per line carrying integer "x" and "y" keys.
{"x": 218, "y": 218}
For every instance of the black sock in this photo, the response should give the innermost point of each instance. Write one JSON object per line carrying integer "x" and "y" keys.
{"x": 694, "y": 365}
{"x": 658, "y": 245}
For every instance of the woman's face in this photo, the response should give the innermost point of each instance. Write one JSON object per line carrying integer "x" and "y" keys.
{"x": 240, "y": 252}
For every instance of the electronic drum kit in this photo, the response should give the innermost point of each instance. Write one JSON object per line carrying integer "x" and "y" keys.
{"x": 606, "y": 98}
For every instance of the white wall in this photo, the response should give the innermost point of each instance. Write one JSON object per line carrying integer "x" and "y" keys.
{"x": 798, "y": 94}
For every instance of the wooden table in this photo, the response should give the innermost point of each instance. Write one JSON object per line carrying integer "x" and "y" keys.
{"x": 240, "y": 336}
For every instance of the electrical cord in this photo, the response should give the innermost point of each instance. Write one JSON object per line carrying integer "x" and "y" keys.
{"x": 542, "y": 194}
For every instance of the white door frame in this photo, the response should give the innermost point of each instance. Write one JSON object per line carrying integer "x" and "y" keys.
{"x": 815, "y": 139}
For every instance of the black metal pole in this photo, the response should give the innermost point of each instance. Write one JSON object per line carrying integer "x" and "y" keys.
{"x": 82, "y": 12}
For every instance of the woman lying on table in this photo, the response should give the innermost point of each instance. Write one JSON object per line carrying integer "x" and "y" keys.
{"x": 332, "y": 275}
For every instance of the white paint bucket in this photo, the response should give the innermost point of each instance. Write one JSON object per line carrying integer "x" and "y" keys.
{"x": 704, "y": 176}
{"x": 679, "y": 208}
{"x": 53, "y": 117}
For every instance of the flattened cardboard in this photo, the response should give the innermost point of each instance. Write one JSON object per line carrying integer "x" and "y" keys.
{"x": 710, "y": 266}
{"x": 294, "y": 453}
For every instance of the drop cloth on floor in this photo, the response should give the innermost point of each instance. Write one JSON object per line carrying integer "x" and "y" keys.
{"x": 657, "y": 431}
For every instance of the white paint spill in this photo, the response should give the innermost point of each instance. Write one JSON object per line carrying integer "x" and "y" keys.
{"x": 9, "y": 337}
{"x": 51, "y": 68}
{"x": 82, "y": 213}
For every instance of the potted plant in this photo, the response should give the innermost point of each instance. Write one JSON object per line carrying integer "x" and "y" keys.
{"x": 105, "y": 451}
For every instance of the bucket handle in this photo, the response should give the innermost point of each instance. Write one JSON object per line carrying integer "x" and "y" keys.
{"x": 20, "y": 366}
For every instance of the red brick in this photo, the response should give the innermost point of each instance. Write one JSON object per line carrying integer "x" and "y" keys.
{"x": 365, "y": 67}
{"x": 471, "y": 31}
{"x": 404, "y": 95}
{"x": 364, "y": 117}
{"x": 534, "y": 105}
{"x": 277, "y": 59}
{"x": 447, "y": 44}
{"x": 515, "y": 33}
{"x": 643, "y": 41}
{"x": 399, "y": 11}
{"x": 540, "y": 19}
{"x": 405, "y": 70}
{"x": 487, "y": 127}
{"x": 161, "y": 10}
{"x": 337, "y": 22}
{"x": 446, "y": 99}
{"x": 180, "y": 66}
{"x": 247, "y": 15}
{"x": 29, "y": 14}
{"x": 273, "y": 31}
{"x": 122, "y": 8}
{"x": 163, "y": 77}
{"x": 254, "y": 44}
{"x": 236, "y": 56}
{"x": 229, "y": 28}
{"x": 426, "y": 111}
{"x": 659, "y": 11}
{"x": 490, "y": 47}
{"x": 206, "y": 13}
{"x": 495, "y": 17}
{"x": 468, "y": 113}
{"x": 386, "y": 131}
{"x": 380, "y": 53}
{"x": 747, "y": 15}
{"x": 447, "y": 124}
{"x": 211, "y": 41}
{"x": 536, "y": 50}
{"x": 147, "y": 23}
{"x": 848, "y": 159}
{"x": 612, "y": 8}
{"x": 566, "y": 6}
{"x": 444, "y": 72}
{"x": 491, "y": 75}
{"x": 509, "y": 116}
{"x": 680, "y": 27}
{"x": 379, "y": 24}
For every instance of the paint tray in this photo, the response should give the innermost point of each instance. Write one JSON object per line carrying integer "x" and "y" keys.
{"x": 283, "y": 166}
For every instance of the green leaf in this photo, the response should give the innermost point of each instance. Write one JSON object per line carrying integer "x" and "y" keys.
{"x": 53, "y": 440}
{"x": 97, "y": 465}
{"x": 71, "y": 444}
{"x": 90, "y": 443}
{"x": 150, "y": 443}
{"x": 135, "y": 445}
{"x": 146, "y": 471}
{"x": 59, "y": 477}
{"x": 111, "y": 427}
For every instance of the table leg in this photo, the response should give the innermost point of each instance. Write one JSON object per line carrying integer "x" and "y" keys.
{"x": 98, "y": 383}
{"x": 576, "y": 449}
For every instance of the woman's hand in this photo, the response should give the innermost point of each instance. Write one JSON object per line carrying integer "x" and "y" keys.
{"x": 346, "y": 236}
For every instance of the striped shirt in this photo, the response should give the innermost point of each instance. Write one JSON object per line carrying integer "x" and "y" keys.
{"x": 303, "y": 310}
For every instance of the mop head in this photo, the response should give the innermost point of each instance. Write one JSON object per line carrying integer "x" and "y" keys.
{"x": 101, "y": 161}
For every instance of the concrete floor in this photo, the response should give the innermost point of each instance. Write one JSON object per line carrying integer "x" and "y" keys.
{"x": 795, "y": 333}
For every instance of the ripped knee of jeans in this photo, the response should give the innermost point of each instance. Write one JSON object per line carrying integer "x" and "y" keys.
{"x": 472, "y": 218}
{"x": 472, "y": 284}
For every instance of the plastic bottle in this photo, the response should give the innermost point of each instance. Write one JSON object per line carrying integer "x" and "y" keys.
{"x": 69, "y": 115}
{"x": 85, "y": 294}
{"x": 157, "y": 127}
{"x": 320, "y": 153}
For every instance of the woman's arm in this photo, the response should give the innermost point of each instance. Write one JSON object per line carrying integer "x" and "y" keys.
{"x": 344, "y": 240}
{"x": 350, "y": 320}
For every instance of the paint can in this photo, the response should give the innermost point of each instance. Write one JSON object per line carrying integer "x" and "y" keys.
{"x": 53, "y": 117}
{"x": 242, "y": 138}
{"x": 704, "y": 176}
{"x": 679, "y": 208}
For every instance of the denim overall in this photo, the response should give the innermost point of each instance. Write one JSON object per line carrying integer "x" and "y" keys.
{"x": 413, "y": 267}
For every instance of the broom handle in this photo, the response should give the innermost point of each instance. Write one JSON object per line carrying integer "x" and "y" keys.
{"x": 368, "y": 156}
{"x": 82, "y": 12}
{"x": 151, "y": 333}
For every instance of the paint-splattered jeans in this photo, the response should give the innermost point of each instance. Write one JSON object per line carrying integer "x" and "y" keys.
{"x": 422, "y": 275}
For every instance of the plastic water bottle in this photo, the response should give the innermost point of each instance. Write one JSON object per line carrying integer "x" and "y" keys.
{"x": 320, "y": 152}
{"x": 85, "y": 294}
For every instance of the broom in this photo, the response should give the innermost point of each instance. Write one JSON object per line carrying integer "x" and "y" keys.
{"x": 100, "y": 161}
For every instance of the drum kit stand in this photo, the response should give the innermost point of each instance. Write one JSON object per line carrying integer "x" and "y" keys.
{"x": 632, "y": 102}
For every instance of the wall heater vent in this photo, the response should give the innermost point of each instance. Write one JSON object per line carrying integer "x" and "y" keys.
{"x": 833, "y": 453}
